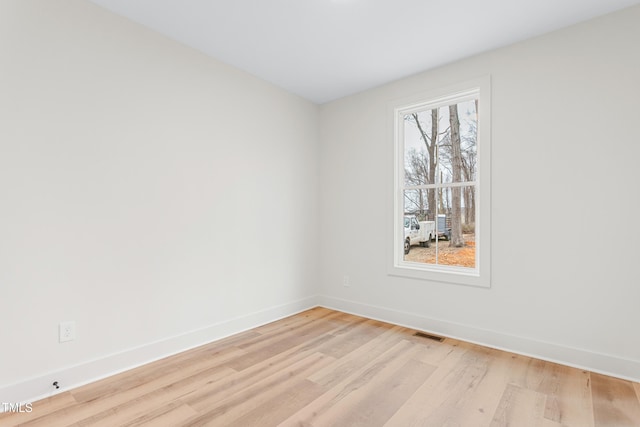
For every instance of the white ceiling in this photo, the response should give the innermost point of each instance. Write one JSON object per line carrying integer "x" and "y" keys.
{"x": 326, "y": 49}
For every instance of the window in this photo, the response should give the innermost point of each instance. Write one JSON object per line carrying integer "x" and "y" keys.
{"x": 442, "y": 189}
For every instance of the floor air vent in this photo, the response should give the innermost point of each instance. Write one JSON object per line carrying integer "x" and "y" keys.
{"x": 429, "y": 336}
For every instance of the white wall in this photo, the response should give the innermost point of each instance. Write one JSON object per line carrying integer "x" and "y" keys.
{"x": 146, "y": 192}
{"x": 565, "y": 206}
{"x": 156, "y": 197}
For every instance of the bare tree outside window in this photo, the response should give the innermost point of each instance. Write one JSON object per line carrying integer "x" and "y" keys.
{"x": 440, "y": 162}
{"x": 442, "y": 185}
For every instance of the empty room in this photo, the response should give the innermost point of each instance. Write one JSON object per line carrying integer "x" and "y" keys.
{"x": 319, "y": 213}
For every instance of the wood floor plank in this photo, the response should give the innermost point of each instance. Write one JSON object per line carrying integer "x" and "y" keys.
{"x": 615, "y": 402}
{"x": 142, "y": 410}
{"x": 477, "y": 404}
{"x": 445, "y": 393}
{"x": 370, "y": 406}
{"x": 336, "y": 373}
{"x": 184, "y": 364}
{"x": 520, "y": 407}
{"x": 227, "y": 410}
{"x": 171, "y": 414}
{"x": 349, "y": 339}
{"x": 316, "y": 314}
{"x": 243, "y": 379}
{"x": 568, "y": 392}
{"x": 40, "y": 409}
{"x": 276, "y": 409}
{"x": 330, "y": 406}
{"x": 163, "y": 390}
{"x": 437, "y": 352}
{"x": 326, "y": 368}
{"x": 281, "y": 343}
{"x": 302, "y": 324}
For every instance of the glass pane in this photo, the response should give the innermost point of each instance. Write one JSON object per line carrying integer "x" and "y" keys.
{"x": 445, "y": 234}
{"x": 420, "y": 132}
{"x": 419, "y": 231}
{"x": 457, "y": 146}
{"x": 456, "y": 226}
{"x": 417, "y": 203}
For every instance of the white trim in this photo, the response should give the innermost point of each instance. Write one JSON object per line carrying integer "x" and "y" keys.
{"x": 456, "y": 94}
{"x": 480, "y": 276}
{"x": 445, "y": 185}
{"x": 40, "y": 387}
{"x": 35, "y": 388}
{"x": 606, "y": 364}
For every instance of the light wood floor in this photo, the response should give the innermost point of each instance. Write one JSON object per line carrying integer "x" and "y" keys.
{"x": 326, "y": 368}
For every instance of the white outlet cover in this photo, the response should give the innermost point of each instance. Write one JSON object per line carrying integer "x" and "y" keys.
{"x": 67, "y": 331}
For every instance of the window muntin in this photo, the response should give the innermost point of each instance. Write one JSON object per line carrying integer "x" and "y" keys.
{"x": 442, "y": 145}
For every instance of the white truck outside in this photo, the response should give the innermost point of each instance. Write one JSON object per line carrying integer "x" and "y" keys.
{"x": 418, "y": 232}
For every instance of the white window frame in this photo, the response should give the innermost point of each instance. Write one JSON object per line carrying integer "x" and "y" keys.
{"x": 480, "y": 275}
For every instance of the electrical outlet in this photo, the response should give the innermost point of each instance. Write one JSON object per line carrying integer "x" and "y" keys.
{"x": 346, "y": 281}
{"x": 67, "y": 331}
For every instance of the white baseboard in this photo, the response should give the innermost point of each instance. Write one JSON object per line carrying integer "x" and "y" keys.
{"x": 71, "y": 377}
{"x": 39, "y": 387}
{"x": 578, "y": 358}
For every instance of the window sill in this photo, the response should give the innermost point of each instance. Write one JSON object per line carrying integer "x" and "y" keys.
{"x": 413, "y": 270}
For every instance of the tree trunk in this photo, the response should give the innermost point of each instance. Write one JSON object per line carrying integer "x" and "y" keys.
{"x": 430, "y": 142}
{"x": 471, "y": 207}
{"x": 456, "y": 168}
{"x": 466, "y": 194}
{"x": 431, "y": 193}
